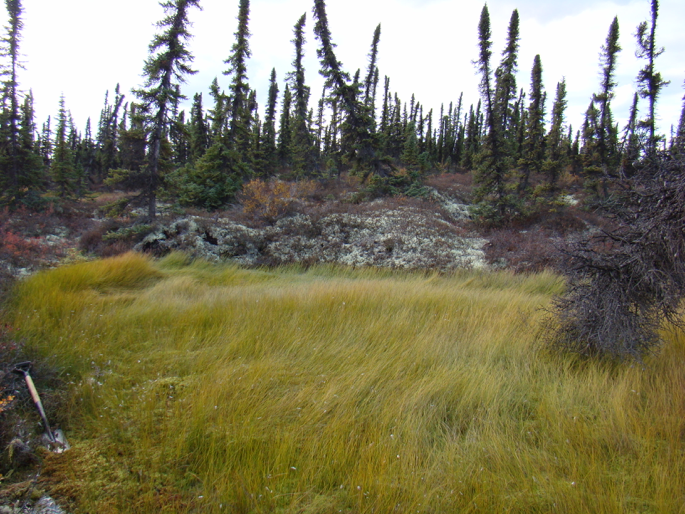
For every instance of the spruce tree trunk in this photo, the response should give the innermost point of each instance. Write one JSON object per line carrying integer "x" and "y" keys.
{"x": 13, "y": 40}
{"x": 154, "y": 170}
{"x": 14, "y": 136}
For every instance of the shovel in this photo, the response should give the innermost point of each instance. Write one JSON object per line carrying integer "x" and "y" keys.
{"x": 55, "y": 438}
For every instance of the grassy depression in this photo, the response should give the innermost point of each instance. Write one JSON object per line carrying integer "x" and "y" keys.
{"x": 209, "y": 388}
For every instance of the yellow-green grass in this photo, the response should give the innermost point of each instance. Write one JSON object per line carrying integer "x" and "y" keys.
{"x": 210, "y": 388}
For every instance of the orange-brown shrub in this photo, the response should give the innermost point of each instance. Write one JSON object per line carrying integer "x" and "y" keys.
{"x": 272, "y": 200}
{"x": 17, "y": 250}
{"x": 17, "y": 246}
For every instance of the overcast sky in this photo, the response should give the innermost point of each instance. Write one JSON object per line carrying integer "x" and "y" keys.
{"x": 84, "y": 47}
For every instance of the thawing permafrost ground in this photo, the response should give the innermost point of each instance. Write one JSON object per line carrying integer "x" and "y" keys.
{"x": 404, "y": 238}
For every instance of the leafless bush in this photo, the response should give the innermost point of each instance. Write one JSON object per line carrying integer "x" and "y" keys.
{"x": 523, "y": 251}
{"x": 626, "y": 282}
{"x": 459, "y": 185}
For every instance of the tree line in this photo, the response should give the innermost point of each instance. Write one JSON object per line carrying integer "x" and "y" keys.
{"x": 360, "y": 126}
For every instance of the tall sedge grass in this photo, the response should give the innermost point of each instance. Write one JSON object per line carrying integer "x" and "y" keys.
{"x": 210, "y": 388}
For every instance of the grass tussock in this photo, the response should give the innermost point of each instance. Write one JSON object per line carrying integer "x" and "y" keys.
{"x": 210, "y": 388}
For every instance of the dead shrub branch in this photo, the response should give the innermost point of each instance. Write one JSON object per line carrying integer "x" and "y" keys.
{"x": 627, "y": 282}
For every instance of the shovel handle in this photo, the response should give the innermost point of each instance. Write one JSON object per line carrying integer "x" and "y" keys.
{"x": 23, "y": 369}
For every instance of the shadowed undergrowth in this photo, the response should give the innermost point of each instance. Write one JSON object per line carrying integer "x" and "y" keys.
{"x": 210, "y": 388}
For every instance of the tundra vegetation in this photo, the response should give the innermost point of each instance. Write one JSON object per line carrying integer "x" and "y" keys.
{"x": 200, "y": 387}
{"x": 189, "y": 386}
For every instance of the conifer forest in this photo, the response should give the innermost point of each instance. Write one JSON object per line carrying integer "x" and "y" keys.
{"x": 515, "y": 141}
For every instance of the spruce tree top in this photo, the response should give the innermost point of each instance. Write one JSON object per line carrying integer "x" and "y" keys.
{"x": 169, "y": 59}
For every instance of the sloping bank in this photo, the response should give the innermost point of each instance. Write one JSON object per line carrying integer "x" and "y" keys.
{"x": 404, "y": 238}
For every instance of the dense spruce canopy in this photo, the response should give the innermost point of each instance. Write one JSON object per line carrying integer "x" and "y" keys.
{"x": 557, "y": 146}
{"x": 164, "y": 70}
{"x": 650, "y": 81}
{"x": 492, "y": 195}
{"x": 301, "y": 139}
{"x": 240, "y": 88}
{"x": 518, "y": 151}
{"x": 680, "y": 134}
{"x": 534, "y": 144}
{"x": 505, "y": 76}
{"x": 21, "y": 170}
{"x": 602, "y": 148}
{"x": 11, "y": 43}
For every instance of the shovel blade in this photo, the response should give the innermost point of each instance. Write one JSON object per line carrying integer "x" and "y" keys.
{"x": 58, "y": 444}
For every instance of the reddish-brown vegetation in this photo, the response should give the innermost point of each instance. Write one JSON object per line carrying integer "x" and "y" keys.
{"x": 31, "y": 240}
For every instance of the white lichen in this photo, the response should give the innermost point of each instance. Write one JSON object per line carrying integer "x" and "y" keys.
{"x": 404, "y": 238}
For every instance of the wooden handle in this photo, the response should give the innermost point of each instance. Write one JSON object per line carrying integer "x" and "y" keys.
{"x": 39, "y": 405}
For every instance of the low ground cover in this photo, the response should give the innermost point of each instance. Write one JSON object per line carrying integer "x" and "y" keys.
{"x": 209, "y": 388}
